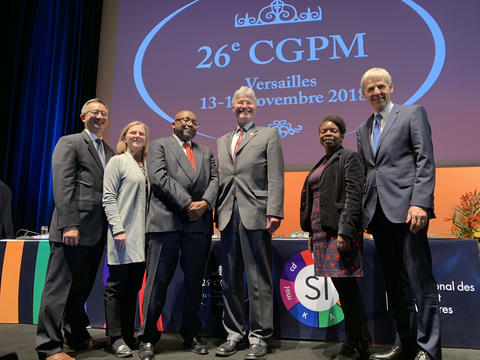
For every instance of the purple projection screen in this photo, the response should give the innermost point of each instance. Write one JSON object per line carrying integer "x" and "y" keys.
{"x": 304, "y": 59}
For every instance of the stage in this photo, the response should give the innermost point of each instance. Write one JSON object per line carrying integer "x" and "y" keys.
{"x": 456, "y": 268}
{"x": 20, "y": 338}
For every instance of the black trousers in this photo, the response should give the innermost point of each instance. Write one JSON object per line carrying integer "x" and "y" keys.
{"x": 409, "y": 282}
{"x": 356, "y": 331}
{"x": 162, "y": 256}
{"x": 123, "y": 283}
{"x": 70, "y": 276}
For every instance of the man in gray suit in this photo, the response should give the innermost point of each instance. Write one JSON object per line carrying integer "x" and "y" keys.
{"x": 396, "y": 148}
{"x": 249, "y": 210}
{"x": 184, "y": 187}
{"x": 77, "y": 236}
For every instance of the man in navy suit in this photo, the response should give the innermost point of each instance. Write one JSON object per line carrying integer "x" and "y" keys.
{"x": 396, "y": 148}
{"x": 184, "y": 186}
{"x": 77, "y": 236}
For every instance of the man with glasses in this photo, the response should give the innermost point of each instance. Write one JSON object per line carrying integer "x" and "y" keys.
{"x": 184, "y": 186}
{"x": 77, "y": 236}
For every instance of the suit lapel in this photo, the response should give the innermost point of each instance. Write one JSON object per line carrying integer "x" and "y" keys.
{"x": 182, "y": 159}
{"x": 330, "y": 161}
{"x": 198, "y": 156}
{"x": 368, "y": 133}
{"x": 228, "y": 143}
{"x": 108, "y": 152}
{"x": 93, "y": 150}
{"x": 249, "y": 135}
{"x": 392, "y": 118}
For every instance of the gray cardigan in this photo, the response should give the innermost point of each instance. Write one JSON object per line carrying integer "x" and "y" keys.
{"x": 124, "y": 200}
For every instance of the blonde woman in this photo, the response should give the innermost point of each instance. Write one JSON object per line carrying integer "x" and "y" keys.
{"x": 125, "y": 193}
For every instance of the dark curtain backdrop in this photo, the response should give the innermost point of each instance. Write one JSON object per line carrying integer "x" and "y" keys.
{"x": 51, "y": 52}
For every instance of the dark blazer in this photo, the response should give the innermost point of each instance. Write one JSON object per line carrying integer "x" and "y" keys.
{"x": 402, "y": 172}
{"x": 78, "y": 189}
{"x": 341, "y": 186}
{"x": 6, "y": 222}
{"x": 174, "y": 184}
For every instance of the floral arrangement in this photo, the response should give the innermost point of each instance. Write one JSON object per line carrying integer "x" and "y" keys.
{"x": 466, "y": 216}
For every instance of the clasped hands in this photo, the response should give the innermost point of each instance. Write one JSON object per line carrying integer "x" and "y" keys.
{"x": 196, "y": 209}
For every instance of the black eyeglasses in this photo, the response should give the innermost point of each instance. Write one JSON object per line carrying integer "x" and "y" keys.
{"x": 97, "y": 112}
{"x": 187, "y": 120}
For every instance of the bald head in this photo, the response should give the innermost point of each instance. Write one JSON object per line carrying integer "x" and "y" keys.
{"x": 185, "y": 125}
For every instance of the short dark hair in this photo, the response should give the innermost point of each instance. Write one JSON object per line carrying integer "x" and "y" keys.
{"x": 337, "y": 120}
{"x": 95, "y": 100}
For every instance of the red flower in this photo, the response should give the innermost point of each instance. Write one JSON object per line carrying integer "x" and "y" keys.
{"x": 466, "y": 215}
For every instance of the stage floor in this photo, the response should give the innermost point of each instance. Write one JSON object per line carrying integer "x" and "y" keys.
{"x": 20, "y": 338}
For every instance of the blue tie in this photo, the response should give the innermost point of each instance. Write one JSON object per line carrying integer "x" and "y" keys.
{"x": 377, "y": 131}
{"x": 100, "y": 152}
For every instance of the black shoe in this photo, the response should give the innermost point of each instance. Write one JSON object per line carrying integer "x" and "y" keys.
{"x": 423, "y": 355}
{"x": 227, "y": 348}
{"x": 347, "y": 352}
{"x": 120, "y": 349}
{"x": 146, "y": 351}
{"x": 364, "y": 350}
{"x": 396, "y": 353}
{"x": 132, "y": 343}
{"x": 197, "y": 345}
{"x": 256, "y": 351}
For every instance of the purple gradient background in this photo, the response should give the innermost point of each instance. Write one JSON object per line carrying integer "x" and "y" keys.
{"x": 396, "y": 38}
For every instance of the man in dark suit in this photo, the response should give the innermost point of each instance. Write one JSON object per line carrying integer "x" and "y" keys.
{"x": 184, "y": 187}
{"x": 396, "y": 148}
{"x": 77, "y": 236}
{"x": 249, "y": 210}
{"x": 6, "y": 222}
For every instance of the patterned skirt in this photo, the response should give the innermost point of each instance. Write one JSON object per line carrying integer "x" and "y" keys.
{"x": 330, "y": 262}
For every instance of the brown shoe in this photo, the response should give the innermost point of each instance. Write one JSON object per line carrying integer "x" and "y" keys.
{"x": 90, "y": 344}
{"x": 60, "y": 356}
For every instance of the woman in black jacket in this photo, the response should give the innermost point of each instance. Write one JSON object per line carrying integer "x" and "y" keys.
{"x": 331, "y": 212}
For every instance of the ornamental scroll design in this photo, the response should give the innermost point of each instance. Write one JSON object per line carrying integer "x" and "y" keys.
{"x": 278, "y": 12}
{"x": 285, "y": 128}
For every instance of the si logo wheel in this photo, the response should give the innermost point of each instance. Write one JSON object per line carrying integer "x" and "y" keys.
{"x": 310, "y": 299}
